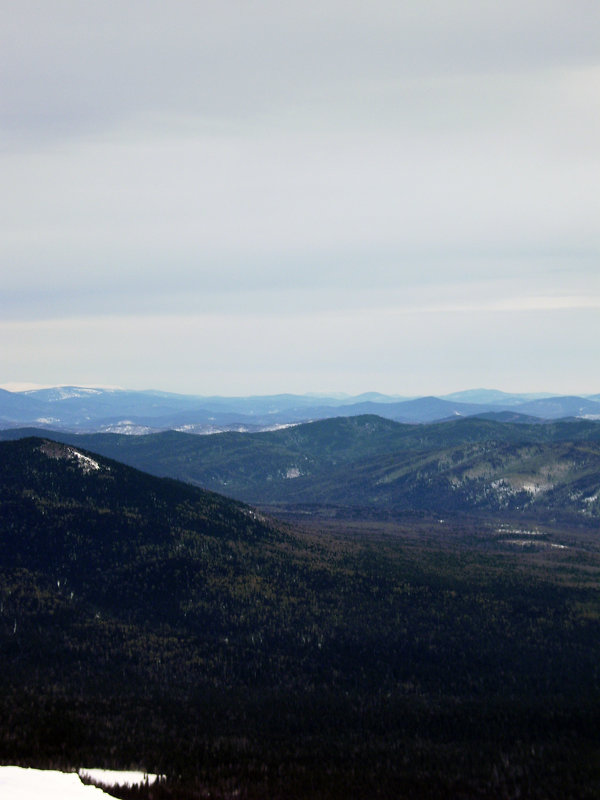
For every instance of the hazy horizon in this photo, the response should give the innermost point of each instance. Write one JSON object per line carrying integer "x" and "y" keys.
{"x": 19, "y": 387}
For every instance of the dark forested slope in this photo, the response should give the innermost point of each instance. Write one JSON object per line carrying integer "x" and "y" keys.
{"x": 146, "y": 622}
{"x": 102, "y": 530}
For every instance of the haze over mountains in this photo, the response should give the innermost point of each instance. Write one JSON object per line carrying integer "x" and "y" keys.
{"x": 85, "y": 409}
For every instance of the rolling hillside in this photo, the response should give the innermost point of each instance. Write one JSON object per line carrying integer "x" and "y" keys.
{"x": 368, "y": 465}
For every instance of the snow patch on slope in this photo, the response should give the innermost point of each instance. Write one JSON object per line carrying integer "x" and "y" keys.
{"x": 69, "y": 392}
{"x": 67, "y": 453}
{"x": 21, "y": 783}
{"x": 86, "y": 463}
{"x": 127, "y": 427}
{"x": 536, "y": 488}
{"x": 113, "y": 777}
{"x": 18, "y": 783}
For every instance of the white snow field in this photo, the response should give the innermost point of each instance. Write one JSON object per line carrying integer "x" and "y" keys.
{"x": 19, "y": 783}
{"x": 113, "y": 777}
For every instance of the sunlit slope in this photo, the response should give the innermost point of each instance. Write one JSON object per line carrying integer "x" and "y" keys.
{"x": 560, "y": 479}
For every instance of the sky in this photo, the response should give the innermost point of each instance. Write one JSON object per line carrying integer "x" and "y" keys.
{"x": 255, "y": 197}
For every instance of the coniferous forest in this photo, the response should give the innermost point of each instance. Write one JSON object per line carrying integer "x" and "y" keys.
{"x": 148, "y": 623}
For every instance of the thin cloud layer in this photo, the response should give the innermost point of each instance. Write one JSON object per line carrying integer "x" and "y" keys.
{"x": 71, "y": 65}
{"x": 295, "y": 159}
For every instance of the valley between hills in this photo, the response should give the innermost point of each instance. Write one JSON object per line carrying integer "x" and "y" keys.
{"x": 374, "y": 467}
{"x": 349, "y": 608}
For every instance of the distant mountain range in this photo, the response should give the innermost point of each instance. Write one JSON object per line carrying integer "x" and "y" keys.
{"x": 369, "y": 465}
{"x": 82, "y": 409}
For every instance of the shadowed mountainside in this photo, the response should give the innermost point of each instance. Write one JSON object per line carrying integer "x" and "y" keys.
{"x": 147, "y": 622}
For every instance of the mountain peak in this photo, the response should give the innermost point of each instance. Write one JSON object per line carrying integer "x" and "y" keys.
{"x": 66, "y": 453}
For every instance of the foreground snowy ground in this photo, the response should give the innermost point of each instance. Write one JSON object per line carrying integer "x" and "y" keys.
{"x": 17, "y": 783}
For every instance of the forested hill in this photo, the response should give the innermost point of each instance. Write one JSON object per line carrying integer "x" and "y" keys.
{"x": 368, "y": 464}
{"x": 148, "y": 623}
{"x": 95, "y": 526}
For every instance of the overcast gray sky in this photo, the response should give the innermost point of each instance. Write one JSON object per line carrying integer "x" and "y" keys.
{"x": 252, "y": 197}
